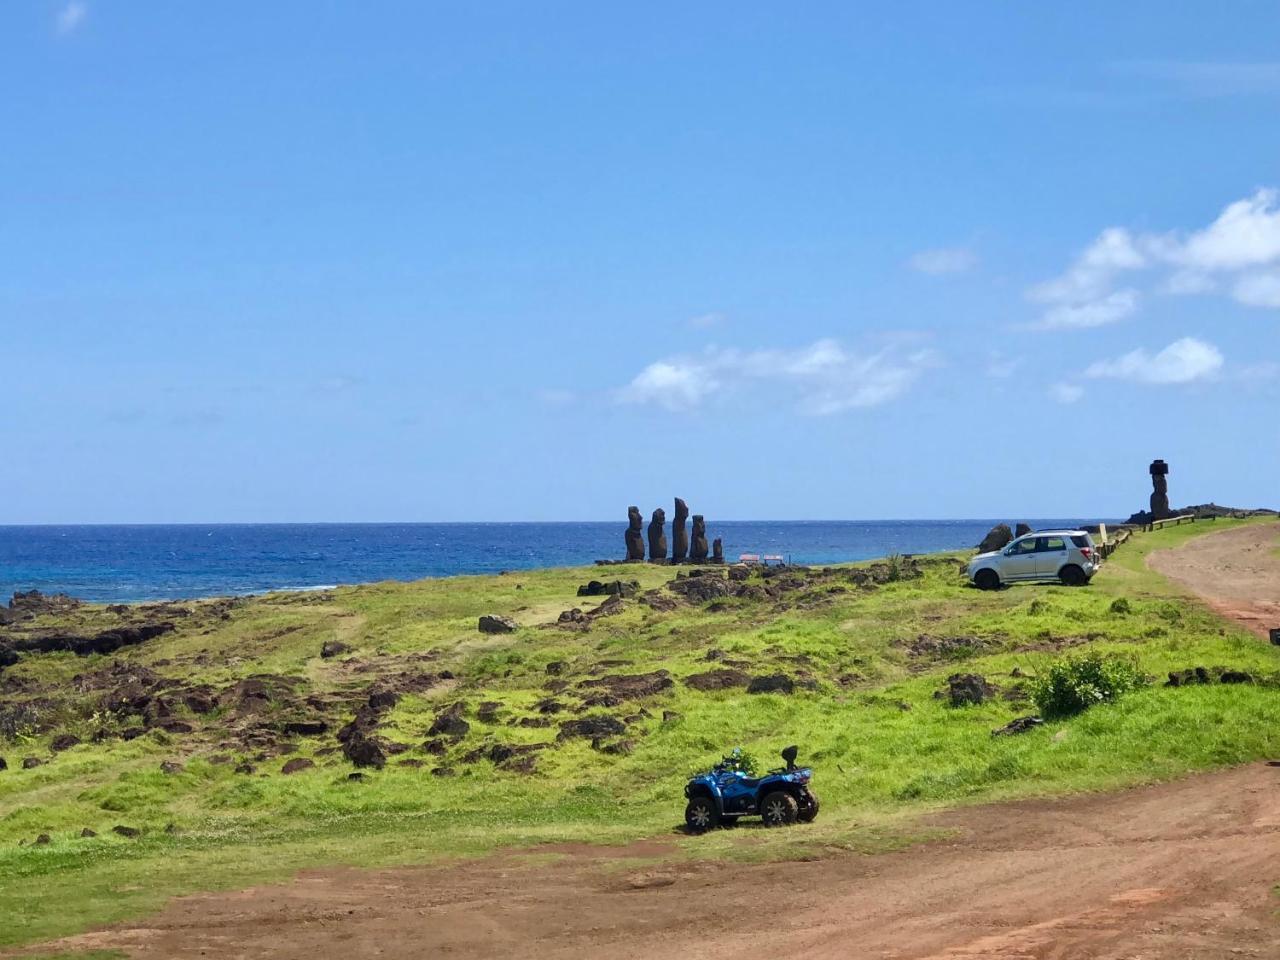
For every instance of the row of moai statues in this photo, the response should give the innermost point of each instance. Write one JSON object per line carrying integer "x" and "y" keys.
{"x": 684, "y": 547}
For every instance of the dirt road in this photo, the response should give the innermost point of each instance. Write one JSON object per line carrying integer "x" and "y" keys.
{"x": 1237, "y": 572}
{"x": 1179, "y": 871}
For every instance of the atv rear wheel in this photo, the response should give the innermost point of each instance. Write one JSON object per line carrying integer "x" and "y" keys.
{"x": 779, "y": 809}
{"x": 809, "y": 811}
{"x": 700, "y": 815}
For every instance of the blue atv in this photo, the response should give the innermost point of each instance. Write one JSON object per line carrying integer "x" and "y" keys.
{"x": 729, "y": 791}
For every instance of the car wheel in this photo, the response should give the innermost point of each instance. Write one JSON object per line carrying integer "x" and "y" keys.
{"x": 809, "y": 811}
{"x": 1072, "y": 576}
{"x": 986, "y": 580}
{"x": 779, "y": 809}
{"x": 700, "y": 815}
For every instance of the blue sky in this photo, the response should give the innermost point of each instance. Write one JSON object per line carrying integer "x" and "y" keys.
{"x": 502, "y": 261}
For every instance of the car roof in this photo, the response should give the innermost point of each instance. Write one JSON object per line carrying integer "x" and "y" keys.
{"x": 1064, "y": 532}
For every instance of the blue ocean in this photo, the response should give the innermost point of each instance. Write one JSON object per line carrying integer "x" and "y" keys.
{"x": 122, "y": 564}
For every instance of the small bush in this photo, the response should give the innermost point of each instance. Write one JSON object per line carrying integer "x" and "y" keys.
{"x": 1037, "y": 608}
{"x": 896, "y": 567}
{"x": 1075, "y": 684}
{"x": 1120, "y": 605}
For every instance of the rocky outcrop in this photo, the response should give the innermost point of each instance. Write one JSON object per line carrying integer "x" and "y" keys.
{"x": 658, "y": 535}
{"x": 968, "y": 689}
{"x": 997, "y": 538}
{"x": 679, "y": 535}
{"x": 494, "y": 624}
{"x": 698, "y": 548}
{"x": 609, "y": 588}
{"x": 33, "y": 603}
{"x": 1021, "y": 530}
{"x": 635, "y": 534}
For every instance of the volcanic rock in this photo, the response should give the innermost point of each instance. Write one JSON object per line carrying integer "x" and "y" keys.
{"x": 633, "y": 687}
{"x": 297, "y": 764}
{"x": 967, "y": 689}
{"x": 129, "y": 832}
{"x": 591, "y": 727}
{"x": 997, "y": 538}
{"x": 1019, "y": 725}
{"x": 495, "y": 624}
{"x": 333, "y": 648}
{"x": 723, "y": 679}
{"x": 64, "y": 742}
{"x": 773, "y": 683}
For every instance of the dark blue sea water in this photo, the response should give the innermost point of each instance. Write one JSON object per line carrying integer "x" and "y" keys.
{"x": 117, "y": 564}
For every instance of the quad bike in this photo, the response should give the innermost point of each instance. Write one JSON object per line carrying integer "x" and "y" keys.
{"x": 726, "y": 792}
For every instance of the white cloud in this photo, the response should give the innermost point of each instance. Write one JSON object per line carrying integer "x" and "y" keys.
{"x": 1183, "y": 361}
{"x": 1246, "y": 234}
{"x": 1233, "y": 253}
{"x": 1258, "y": 289}
{"x": 824, "y": 376}
{"x": 71, "y": 16}
{"x": 1090, "y": 276}
{"x": 1066, "y": 392}
{"x": 944, "y": 260}
{"x": 1112, "y": 308}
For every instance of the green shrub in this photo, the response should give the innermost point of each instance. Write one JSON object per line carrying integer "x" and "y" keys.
{"x": 1075, "y": 684}
{"x": 1120, "y": 605}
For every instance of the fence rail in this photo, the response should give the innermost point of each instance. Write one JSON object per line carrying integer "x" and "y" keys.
{"x": 1176, "y": 521}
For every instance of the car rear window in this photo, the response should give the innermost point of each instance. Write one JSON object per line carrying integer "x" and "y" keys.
{"x": 1081, "y": 541}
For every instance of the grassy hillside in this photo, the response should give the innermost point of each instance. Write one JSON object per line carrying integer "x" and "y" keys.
{"x": 238, "y": 689}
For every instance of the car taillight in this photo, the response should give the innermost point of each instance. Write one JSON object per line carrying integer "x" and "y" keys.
{"x": 1087, "y": 551}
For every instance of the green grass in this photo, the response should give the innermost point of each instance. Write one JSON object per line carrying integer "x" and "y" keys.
{"x": 884, "y": 749}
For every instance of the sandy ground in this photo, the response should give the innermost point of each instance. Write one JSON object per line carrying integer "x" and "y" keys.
{"x": 1237, "y": 572}
{"x": 1180, "y": 870}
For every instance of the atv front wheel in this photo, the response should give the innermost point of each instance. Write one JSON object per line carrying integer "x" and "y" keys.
{"x": 779, "y": 809}
{"x": 809, "y": 810}
{"x": 700, "y": 815}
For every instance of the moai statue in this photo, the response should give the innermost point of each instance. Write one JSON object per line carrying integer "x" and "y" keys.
{"x": 698, "y": 545}
{"x": 717, "y": 550}
{"x": 657, "y": 535}
{"x": 679, "y": 536}
{"x": 1160, "y": 494}
{"x": 635, "y": 534}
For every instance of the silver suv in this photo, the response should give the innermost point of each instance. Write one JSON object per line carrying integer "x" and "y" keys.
{"x": 1065, "y": 555}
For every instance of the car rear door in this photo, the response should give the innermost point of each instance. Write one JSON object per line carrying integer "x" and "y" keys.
{"x": 1051, "y": 555}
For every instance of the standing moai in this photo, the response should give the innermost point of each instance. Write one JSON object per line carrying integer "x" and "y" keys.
{"x": 717, "y": 550}
{"x": 1160, "y": 492}
{"x": 679, "y": 536}
{"x": 657, "y": 535}
{"x": 698, "y": 545}
{"x": 635, "y": 534}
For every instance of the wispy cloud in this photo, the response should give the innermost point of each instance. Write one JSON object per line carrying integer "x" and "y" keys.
{"x": 825, "y": 378}
{"x": 1105, "y": 310}
{"x": 1183, "y": 361}
{"x": 1066, "y": 393}
{"x": 705, "y": 321}
{"x": 71, "y": 16}
{"x": 1207, "y": 78}
{"x": 944, "y": 260}
{"x": 1001, "y": 367}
